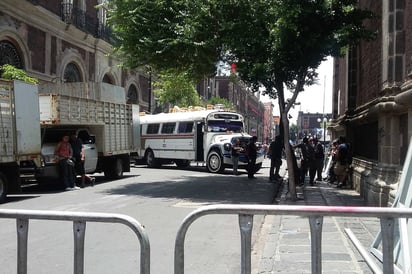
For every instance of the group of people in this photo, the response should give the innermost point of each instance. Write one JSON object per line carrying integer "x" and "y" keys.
{"x": 313, "y": 157}
{"x": 341, "y": 159}
{"x": 70, "y": 156}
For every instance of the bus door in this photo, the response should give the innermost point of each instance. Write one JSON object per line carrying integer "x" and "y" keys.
{"x": 199, "y": 141}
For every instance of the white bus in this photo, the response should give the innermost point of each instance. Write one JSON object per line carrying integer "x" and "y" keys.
{"x": 202, "y": 136}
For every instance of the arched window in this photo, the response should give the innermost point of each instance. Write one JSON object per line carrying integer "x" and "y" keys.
{"x": 72, "y": 73}
{"x": 10, "y": 55}
{"x": 107, "y": 79}
{"x": 132, "y": 97}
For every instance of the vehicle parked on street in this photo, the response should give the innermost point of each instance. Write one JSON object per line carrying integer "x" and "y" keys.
{"x": 34, "y": 117}
{"x": 199, "y": 135}
{"x": 19, "y": 134}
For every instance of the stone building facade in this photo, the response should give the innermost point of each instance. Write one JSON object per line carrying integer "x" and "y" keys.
{"x": 372, "y": 101}
{"x": 66, "y": 41}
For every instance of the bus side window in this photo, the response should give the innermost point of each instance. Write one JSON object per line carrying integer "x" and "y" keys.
{"x": 168, "y": 127}
{"x": 152, "y": 129}
{"x": 185, "y": 127}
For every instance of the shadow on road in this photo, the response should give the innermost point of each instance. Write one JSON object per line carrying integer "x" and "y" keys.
{"x": 212, "y": 188}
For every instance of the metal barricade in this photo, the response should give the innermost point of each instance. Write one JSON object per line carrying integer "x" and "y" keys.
{"x": 315, "y": 215}
{"x": 79, "y": 220}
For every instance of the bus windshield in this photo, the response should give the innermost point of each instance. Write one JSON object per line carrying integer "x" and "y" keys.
{"x": 224, "y": 126}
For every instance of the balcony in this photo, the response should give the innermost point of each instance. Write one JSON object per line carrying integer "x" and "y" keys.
{"x": 79, "y": 19}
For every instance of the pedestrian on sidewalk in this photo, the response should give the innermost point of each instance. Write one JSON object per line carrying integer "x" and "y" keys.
{"x": 319, "y": 158}
{"x": 343, "y": 160}
{"x": 275, "y": 155}
{"x": 312, "y": 161}
{"x": 308, "y": 155}
{"x": 251, "y": 152}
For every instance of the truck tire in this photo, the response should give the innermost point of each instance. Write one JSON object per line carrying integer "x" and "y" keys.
{"x": 214, "y": 162}
{"x": 3, "y": 188}
{"x": 151, "y": 160}
{"x": 115, "y": 171}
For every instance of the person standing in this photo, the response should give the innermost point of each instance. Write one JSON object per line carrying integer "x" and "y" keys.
{"x": 251, "y": 151}
{"x": 307, "y": 160}
{"x": 343, "y": 160}
{"x": 64, "y": 152}
{"x": 236, "y": 149}
{"x": 275, "y": 153}
{"x": 312, "y": 161}
{"x": 78, "y": 156}
{"x": 319, "y": 158}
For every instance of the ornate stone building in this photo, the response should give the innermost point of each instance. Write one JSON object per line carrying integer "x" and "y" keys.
{"x": 66, "y": 41}
{"x": 372, "y": 103}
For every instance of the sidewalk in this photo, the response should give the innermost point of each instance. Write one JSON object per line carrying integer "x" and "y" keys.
{"x": 287, "y": 238}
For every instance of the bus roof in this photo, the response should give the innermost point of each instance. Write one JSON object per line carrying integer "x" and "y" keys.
{"x": 180, "y": 116}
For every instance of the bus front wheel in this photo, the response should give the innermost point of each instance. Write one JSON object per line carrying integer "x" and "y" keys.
{"x": 151, "y": 161}
{"x": 215, "y": 162}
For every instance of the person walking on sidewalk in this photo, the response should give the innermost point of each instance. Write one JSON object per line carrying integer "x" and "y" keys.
{"x": 312, "y": 161}
{"x": 275, "y": 155}
{"x": 319, "y": 158}
{"x": 251, "y": 152}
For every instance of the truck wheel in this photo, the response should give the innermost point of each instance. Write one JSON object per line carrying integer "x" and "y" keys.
{"x": 118, "y": 169}
{"x": 115, "y": 171}
{"x": 3, "y": 188}
{"x": 214, "y": 162}
{"x": 151, "y": 161}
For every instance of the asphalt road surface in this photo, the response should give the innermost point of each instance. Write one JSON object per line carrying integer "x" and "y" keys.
{"x": 159, "y": 199}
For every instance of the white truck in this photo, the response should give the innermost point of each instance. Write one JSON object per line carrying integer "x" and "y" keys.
{"x": 34, "y": 118}
{"x": 98, "y": 115}
{"x": 19, "y": 133}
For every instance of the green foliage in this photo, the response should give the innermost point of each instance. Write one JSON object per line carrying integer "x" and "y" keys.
{"x": 176, "y": 88}
{"x": 219, "y": 100}
{"x": 271, "y": 41}
{"x": 12, "y": 73}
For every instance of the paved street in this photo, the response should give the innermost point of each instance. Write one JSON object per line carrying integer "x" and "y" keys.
{"x": 160, "y": 199}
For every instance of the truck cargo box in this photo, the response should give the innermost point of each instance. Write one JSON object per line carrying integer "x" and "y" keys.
{"x": 111, "y": 123}
{"x": 20, "y": 123}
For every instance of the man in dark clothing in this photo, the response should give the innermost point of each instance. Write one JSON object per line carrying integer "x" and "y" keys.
{"x": 319, "y": 158}
{"x": 251, "y": 152}
{"x": 275, "y": 153}
{"x": 78, "y": 156}
{"x": 308, "y": 157}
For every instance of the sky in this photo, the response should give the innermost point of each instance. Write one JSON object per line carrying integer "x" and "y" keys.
{"x": 311, "y": 98}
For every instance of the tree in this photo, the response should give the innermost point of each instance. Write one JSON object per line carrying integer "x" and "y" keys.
{"x": 277, "y": 44}
{"x": 176, "y": 88}
{"x": 219, "y": 100}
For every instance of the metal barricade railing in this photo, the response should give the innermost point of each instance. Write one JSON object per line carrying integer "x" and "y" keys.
{"x": 315, "y": 215}
{"x": 79, "y": 220}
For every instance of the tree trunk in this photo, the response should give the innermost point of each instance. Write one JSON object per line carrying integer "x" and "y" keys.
{"x": 290, "y": 159}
